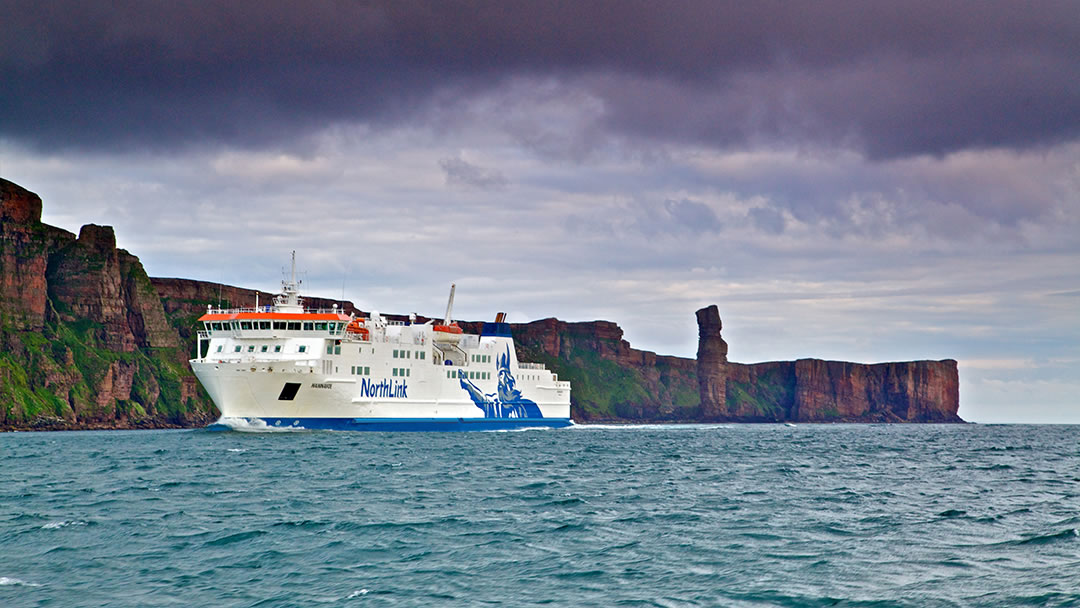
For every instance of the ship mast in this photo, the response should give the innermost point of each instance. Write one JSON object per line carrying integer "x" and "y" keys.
{"x": 289, "y": 300}
{"x": 450, "y": 305}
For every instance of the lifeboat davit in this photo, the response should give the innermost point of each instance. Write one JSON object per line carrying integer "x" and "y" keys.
{"x": 356, "y": 327}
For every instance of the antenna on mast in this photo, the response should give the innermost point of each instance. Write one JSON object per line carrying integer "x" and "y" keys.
{"x": 450, "y": 304}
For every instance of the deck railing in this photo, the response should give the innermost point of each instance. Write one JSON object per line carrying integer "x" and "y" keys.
{"x": 264, "y": 309}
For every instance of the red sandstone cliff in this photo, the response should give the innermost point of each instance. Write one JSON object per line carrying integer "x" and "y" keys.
{"x": 711, "y": 361}
{"x": 812, "y": 390}
{"x": 611, "y": 380}
{"x": 84, "y": 340}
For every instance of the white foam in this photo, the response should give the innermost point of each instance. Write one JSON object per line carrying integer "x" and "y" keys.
{"x": 521, "y": 429}
{"x": 15, "y": 582}
{"x": 237, "y": 450}
{"x": 356, "y": 594}
{"x": 53, "y": 525}
{"x": 255, "y": 425}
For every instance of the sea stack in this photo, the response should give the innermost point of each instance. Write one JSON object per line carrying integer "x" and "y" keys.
{"x": 711, "y": 363}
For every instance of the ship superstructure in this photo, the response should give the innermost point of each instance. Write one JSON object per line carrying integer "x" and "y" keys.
{"x": 284, "y": 365}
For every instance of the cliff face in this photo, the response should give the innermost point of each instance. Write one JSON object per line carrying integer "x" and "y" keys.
{"x": 25, "y": 245}
{"x": 190, "y": 297}
{"x": 84, "y": 340}
{"x": 711, "y": 361}
{"x": 610, "y": 380}
{"x": 813, "y": 390}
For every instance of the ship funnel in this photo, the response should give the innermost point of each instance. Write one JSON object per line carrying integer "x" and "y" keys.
{"x": 500, "y": 317}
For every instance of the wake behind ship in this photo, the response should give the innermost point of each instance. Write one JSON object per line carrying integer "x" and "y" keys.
{"x": 286, "y": 366}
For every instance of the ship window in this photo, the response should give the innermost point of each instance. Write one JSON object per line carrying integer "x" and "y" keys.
{"x": 237, "y": 349}
{"x": 329, "y": 349}
{"x": 251, "y": 348}
{"x": 395, "y": 371}
{"x": 309, "y": 326}
{"x": 337, "y": 350}
{"x": 279, "y": 325}
{"x": 395, "y": 353}
{"x": 408, "y": 354}
{"x": 264, "y": 324}
{"x": 294, "y": 326}
{"x": 320, "y": 327}
{"x": 367, "y": 371}
{"x": 408, "y": 372}
{"x": 219, "y": 348}
{"x": 245, "y": 325}
{"x": 303, "y": 349}
{"x": 215, "y": 326}
{"x": 264, "y": 348}
{"x": 277, "y": 348}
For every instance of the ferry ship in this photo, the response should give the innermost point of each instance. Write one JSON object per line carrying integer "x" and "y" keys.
{"x": 287, "y": 366}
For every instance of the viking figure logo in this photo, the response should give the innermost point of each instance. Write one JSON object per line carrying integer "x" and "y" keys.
{"x": 507, "y": 401}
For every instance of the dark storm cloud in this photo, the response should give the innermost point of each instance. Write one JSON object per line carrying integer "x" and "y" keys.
{"x": 890, "y": 79}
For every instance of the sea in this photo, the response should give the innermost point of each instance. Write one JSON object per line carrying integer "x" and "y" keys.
{"x": 695, "y": 515}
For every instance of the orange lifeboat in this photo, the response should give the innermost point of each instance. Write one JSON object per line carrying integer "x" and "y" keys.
{"x": 450, "y": 333}
{"x": 357, "y": 328}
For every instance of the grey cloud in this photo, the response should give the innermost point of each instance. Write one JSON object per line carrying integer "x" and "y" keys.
{"x": 892, "y": 80}
{"x": 692, "y": 215}
{"x": 460, "y": 172}
{"x": 767, "y": 219}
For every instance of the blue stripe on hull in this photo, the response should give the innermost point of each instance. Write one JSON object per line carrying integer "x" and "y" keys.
{"x": 404, "y": 424}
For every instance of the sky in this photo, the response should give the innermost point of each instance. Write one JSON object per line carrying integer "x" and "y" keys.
{"x": 845, "y": 180}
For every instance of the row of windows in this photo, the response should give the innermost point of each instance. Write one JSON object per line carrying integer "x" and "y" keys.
{"x": 405, "y": 354}
{"x": 481, "y": 358}
{"x": 470, "y": 375}
{"x": 333, "y": 349}
{"x": 323, "y": 326}
{"x": 402, "y": 371}
{"x": 361, "y": 370}
{"x": 264, "y": 348}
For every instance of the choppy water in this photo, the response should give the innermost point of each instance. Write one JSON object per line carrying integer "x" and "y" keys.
{"x": 756, "y": 515}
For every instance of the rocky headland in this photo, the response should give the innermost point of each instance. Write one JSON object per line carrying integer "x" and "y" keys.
{"x": 88, "y": 340}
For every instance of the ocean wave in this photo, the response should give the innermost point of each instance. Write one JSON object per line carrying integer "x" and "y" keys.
{"x": 1068, "y": 534}
{"x": 6, "y": 581}
{"x": 54, "y": 525}
{"x": 252, "y": 425}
